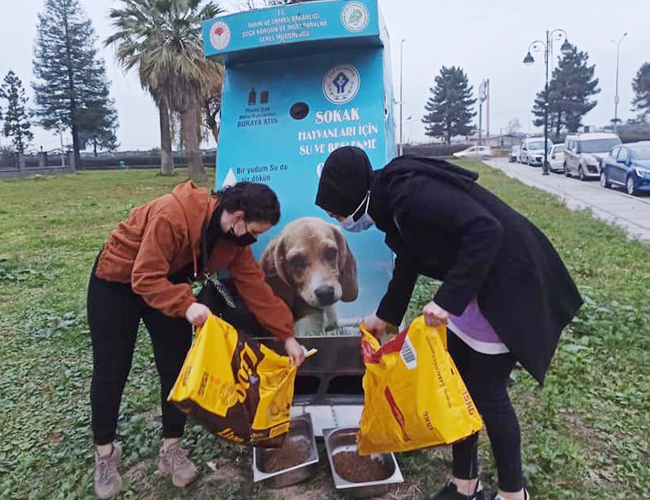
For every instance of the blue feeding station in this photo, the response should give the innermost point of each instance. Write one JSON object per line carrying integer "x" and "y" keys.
{"x": 303, "y": 80}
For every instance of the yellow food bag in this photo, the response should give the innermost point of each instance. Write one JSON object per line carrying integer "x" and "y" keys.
{"x": 237, "y": 388}
{"x": 414, "y": 396}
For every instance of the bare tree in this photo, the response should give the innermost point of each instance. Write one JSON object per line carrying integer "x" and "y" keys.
{"x": 211, "y": 105}
{"x": 514, "y": 126}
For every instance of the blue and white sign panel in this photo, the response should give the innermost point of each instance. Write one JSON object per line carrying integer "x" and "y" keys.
{"x": 310, "y": 21}
{"x": 280, "y": 121}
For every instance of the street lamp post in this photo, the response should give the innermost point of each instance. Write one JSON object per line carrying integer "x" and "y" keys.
{"x": 618, "y": 50}
{"x": 409, "y": 121}
{"x": 529, "y": 60}
{"x": 401, "y": 97}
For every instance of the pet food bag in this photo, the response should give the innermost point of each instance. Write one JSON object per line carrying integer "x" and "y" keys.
{"x": 237, "y": 388}
{"x": 414, "y": 396}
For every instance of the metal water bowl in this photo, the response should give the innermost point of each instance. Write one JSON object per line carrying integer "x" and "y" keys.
{"x": 333, "y": 376}
{"x": 345, "y": 439}
{"x": 300, "y": 430}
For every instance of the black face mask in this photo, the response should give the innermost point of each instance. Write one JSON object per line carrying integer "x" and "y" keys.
{"x": 244, "y": 240}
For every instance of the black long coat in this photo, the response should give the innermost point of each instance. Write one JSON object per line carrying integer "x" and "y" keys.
{"x": 442, "y": 224}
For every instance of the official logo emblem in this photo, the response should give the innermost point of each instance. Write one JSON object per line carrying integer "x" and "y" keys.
{"x": 355, "y": 17}
{"x": 220, "y": 35}
{"x": 341, "y": 84}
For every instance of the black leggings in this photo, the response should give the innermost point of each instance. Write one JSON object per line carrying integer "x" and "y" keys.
{"x": 486, "y": 377}
{"x": 114, "y": 313}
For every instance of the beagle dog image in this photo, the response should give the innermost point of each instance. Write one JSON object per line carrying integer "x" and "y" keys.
{"x": 309, "y": 265}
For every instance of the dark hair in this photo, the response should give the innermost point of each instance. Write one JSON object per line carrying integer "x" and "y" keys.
{"x": 258, "y": 202}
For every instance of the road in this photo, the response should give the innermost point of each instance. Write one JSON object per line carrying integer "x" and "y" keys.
{"x": 613, "y": 205}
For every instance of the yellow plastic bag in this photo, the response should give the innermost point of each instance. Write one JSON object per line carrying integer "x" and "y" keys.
{"x": 414, "y": 395}
{"x": 237, "y": 388}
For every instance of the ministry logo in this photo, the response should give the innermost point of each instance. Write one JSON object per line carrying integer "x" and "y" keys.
{"x": 341, "y": 84}
{"x": 220, "y": 35}
{"x": 355, "y": 17}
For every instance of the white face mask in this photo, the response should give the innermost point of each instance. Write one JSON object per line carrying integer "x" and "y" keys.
{"x": 364, "y": 222}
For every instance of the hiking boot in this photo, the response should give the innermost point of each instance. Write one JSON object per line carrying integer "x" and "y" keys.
{"x": 173, "y": 460}
{"x": 107, "y": 479}
{"x": 450, "y": 492}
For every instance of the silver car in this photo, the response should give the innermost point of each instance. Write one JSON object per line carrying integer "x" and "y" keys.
{"x": 513, "y": 154}
{"x": 556, "y": 158}
{"x": 532, "y": 151}
{"x": 584, "y": 153}
{"x": 475, "y": 152}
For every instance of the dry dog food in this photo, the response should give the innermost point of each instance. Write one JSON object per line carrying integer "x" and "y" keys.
{"x": 237, "y": 388}
{"x": 356, "y": 469}
{"x": 396, "y": 399}
{"x": 292, "y": 453}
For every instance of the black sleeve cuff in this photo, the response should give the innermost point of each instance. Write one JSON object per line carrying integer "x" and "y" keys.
{"x": 452, "y": 301}
{"x": 396, "y": 301}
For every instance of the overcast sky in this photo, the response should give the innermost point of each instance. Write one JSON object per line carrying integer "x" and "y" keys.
{"x": 487, "y": 38}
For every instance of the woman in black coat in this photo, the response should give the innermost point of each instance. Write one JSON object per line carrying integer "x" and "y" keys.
{"x": 505, "y": 293}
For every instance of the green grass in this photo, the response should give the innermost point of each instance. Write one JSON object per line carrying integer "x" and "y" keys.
{"x": 585, "y": 434}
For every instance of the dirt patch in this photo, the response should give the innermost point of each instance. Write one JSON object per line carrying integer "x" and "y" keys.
{"x": 292, "y": 453}
{"x": 307, "y": 491}
{"x": 356, "y": 469}
{"x": 137, "y": 472}
{"x": 223, "y": 470}
{"x": 140, "y": 476}
{"x": 55, "y": 438}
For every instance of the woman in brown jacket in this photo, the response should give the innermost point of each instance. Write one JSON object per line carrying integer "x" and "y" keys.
{"x": 143, "y": 272}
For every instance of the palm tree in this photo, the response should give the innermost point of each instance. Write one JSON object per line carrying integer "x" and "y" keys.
{"x": 162, "y": 39}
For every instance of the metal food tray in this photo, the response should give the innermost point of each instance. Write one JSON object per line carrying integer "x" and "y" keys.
{"x": 301, "y": 429}
{"x": 345, "y": 439}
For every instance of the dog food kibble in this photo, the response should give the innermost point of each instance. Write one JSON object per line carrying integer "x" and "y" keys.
{"x": 291, "y": 454}
{"x": 356, "y": 469}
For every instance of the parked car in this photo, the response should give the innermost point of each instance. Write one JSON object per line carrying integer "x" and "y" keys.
{"x": 532, "y": 151}
{"x": 629, "y": 166}
{"x": 584, "y": 152}
{"x": 475, "y": 152}
{"x": 556, "y": 158}
{"x": 513, "y": 154}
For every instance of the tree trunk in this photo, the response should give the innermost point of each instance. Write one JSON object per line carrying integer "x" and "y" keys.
{"x": 192, "y": 144}
{"x": 75, "y": 147}
{"x": 211, "y": 119}
{"x": 71, "y": 93}
{"x": 166, "y": 155}
{"x": 199, "y": 131}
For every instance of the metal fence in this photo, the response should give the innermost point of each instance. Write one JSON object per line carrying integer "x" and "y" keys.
{"x": 139, "y": 161}
{"x": 17, "y": 165}
{"x": 20, "y": 165}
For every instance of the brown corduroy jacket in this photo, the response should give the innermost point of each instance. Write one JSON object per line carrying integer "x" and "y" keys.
{"x": 163, "y": 236}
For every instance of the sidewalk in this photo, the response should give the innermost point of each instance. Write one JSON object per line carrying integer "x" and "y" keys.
{"x": 615, "y": 206}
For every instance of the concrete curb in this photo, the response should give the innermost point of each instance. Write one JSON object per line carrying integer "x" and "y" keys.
{"x": 612, "y": 205}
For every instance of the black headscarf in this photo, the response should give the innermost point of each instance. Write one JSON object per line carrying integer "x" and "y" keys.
{"x": 345, "y": 181}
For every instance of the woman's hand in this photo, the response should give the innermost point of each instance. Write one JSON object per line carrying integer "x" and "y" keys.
{"x": 374, "y": 325}
{"x": 434, "y": 315}
{"x": 197, "y": 314}
{"x": 294, "y": 351}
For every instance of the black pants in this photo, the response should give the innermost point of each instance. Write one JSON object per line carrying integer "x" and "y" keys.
{"x": 486, "y": 377}
{"x": 114, "y": 313}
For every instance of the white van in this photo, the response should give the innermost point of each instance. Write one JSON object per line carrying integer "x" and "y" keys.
{"x": 584, "y": 152}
